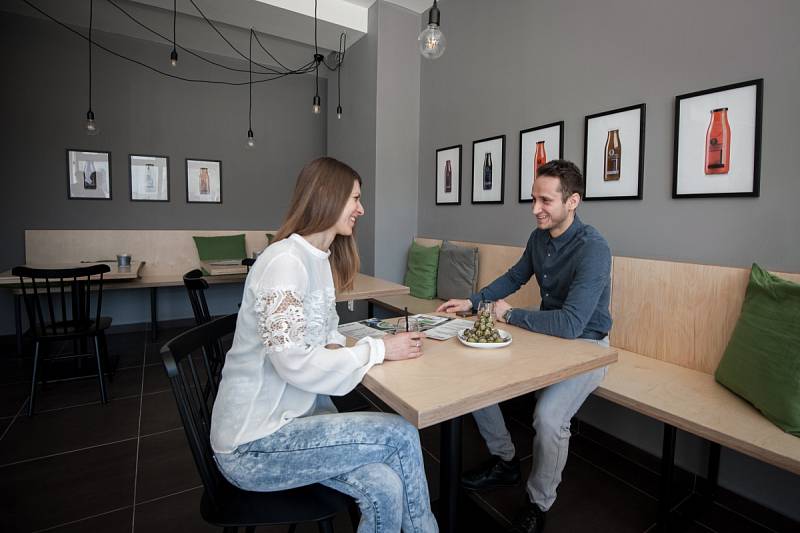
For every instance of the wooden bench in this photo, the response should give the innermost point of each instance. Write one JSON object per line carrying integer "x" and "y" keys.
{"x": 672, "y": 322}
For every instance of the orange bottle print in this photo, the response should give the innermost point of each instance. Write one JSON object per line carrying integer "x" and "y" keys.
{"x": 613, "y": 157}
{"x": 205, "y": 185}
{"x": 540, "y": 158}
{"x": 718, "y": 143}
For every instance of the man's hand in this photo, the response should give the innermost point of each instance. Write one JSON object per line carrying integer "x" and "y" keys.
{"x": 454, "y": 306}
{"x": 500, "y": 308}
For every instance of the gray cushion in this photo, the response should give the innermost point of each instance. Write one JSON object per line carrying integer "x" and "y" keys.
{"x": 458, "y": 271}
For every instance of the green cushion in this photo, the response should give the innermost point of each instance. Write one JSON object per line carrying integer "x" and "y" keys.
{"x": 762, "y": 360}
{"x": 423, "y": 262}
{"x": 223, "y": 247}
{"x": 270, "y": 238}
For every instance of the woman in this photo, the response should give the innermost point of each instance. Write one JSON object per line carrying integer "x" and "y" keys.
{"x": 273, "y": 426}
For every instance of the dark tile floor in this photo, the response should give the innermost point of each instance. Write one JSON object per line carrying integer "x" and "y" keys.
{"x": 80, "y": 466}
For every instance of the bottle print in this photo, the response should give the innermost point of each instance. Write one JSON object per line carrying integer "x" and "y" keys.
{"x": 448, "y": 176}
{"x": 89, "y": 176}
{"x": 149, "y": 181}
{"x": 487, "y": 172}
{"x": 540, "y": 158}
{"x": 205, "y": 186}
{"x": 718, "y": 143}
{"x": 613, "y": 157}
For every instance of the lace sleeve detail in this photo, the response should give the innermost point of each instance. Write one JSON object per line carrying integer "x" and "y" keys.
{"x": 281, "y": 322}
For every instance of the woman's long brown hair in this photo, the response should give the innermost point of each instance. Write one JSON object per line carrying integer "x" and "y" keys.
{"x": 320, "y": 195}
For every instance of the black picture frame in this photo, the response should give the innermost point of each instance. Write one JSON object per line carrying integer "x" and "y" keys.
{"x": 590, "y": 174}
{"x": 524, "y": 193}
{"x": 187, "y": 176}
{"x": 70, "y": 171}
{"x": 681, "y": 178}
{"x": 130, "y": 177}
{"x": 458, "y": 181}
{"x": 502, "y": 185}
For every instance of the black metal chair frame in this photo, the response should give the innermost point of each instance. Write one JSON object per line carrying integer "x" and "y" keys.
{"x": 58, "y": 303}
{"x": 248, "y": 262}
{"x": 223, "y": 504}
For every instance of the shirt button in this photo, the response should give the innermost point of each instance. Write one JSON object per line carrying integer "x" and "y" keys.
{"x": 548, "y": 294}
{"x": 545, "y": 275}
{"x": 548, "y": 255}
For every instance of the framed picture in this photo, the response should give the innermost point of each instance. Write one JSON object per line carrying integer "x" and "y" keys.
{"x": 88, "y": 175}
{"x": 718, "y": 141}
{"x": 537, "y": 146}
{"x": 448, "y": 175}
{"x": 149, "y": 178}
{"x": 613, "y": 154}
{"x": 203, "y": 181}
{"x": 488, "y": 170}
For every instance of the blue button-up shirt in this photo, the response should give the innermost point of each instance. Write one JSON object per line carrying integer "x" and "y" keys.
{"x": 574, "y": 275}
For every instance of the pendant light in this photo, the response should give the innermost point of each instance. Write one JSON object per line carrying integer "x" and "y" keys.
{"x": 91, "y": 125}
{"x": 173, "y": 57}
{"x": 431, "y": 40}
{"x": 251, "y": 141}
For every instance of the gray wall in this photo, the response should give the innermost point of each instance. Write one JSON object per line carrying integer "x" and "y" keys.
{"x": 397, "y": 139}
{"x": 517, "y": 64}
{"x": 352, "y": 138}
{"x": 44, "y": 103}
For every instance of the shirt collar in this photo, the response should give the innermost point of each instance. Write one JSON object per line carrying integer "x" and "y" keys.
{"x": 564, "y": 238}
{"x": 310, "y": 248}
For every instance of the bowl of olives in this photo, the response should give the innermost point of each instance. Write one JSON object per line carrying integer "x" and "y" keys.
{"x": 483, "y": 333}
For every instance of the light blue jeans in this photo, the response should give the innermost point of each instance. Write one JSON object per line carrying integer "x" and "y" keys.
{"x": 555, "y": 406}
{"x": 374, "y": 457}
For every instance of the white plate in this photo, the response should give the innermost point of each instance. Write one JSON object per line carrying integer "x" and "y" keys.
{"x": 486, "y": 345}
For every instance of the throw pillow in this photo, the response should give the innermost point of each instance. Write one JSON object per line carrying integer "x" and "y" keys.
{"x": 762, "y": 360}
{"x": 458, "y": 271}
{"x": 222, "y": 247}
{"x": 420, "y": 277}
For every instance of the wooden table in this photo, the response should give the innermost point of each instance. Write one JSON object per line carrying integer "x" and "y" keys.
{"x": 451, "y": 380}
{"x": 116, "y": 274}
{"x": 364, "y": 287}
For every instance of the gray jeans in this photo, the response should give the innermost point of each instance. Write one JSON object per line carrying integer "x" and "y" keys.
{"x": 555, "y": 406}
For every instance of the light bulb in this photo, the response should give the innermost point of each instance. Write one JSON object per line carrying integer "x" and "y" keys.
{"x": 251, "y": 141}
{"x": 173, "y": 58}
{"x": 317, "y": 104}
{"x": 339, "y": 111}
{"x": 91, "y": 125}
{"x": 432, "y": 42}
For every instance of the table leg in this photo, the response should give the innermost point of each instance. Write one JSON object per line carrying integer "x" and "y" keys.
{"x": 153, "y": 313}
{"x": 18, "y": 322}
{"x": 450, "y": 474}
{"x": 667, "y": 469}
{"x": 370, "y": 309}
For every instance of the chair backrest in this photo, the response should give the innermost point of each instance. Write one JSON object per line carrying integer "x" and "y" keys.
{"x": 196, "y": 287}
{"x": 59, "y": 301}
{"x": 193, "y": 405}
{"x": 248, "y": 262}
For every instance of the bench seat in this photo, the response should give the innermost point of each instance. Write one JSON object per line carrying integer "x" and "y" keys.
{"x": 694, "y": 402}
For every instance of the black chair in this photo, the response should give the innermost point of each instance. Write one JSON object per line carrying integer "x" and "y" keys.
{"x": 59, "y": 308}
{"x": 196, "y": 287}
{"x": 223, "y": 504}
{"x": 248, "y": 262}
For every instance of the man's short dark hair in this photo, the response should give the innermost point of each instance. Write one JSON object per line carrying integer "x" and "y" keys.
{"x": 567, "y": 173}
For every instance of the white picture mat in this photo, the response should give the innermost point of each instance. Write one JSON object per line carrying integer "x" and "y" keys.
{"x": 479, "y": 150}
{"x": 193, "y": 167}
{"x": 694, "y": 118}
{"x": 139, "y": 189}
{"x": 552, "y": 145}
{"x": 629, "y": 125}
{"x": 76, "y": 165}
{"x": 453, "y": 154}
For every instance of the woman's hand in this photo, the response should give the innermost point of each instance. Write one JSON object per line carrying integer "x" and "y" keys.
{"x": 454, "y": 306}
{"x": 403, "y": 346}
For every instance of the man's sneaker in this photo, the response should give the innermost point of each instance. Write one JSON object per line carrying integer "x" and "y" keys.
{"x": 495, "y": 473}
{"x": 530, "y": 521}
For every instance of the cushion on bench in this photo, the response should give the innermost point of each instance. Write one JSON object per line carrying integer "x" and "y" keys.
{"x": 423, "y": 262}
{"x": 458, "y": 271}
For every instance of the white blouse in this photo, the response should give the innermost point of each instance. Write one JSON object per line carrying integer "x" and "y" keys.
{"x": 278, "y": 363}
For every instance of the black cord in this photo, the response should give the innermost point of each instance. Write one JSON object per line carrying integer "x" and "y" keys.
{"x": 174, "y": 18}
{"x": 250, "y": 64}
{"x": 91, "y": 14}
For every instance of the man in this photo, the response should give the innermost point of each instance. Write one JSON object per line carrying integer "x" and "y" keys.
{"x": 572, "y": 264}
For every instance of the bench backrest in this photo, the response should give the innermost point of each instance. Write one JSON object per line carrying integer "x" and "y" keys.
{"x": 681, "y": 313}
{"x": 494, "y": 260}
{"x": 166, "y": 252}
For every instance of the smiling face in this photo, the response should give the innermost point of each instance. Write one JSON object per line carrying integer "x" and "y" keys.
{"x": 551, "y": 211}
{"x": 352, "y": 210}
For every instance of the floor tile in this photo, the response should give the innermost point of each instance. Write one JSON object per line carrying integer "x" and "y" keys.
{"x": 70, "y": 429}
{"x": 15, "y": 369}
{"x": 113, "y": 522}
{"x": 159, "y": 413}
{"x": 179, "y": 513}
{"x": 127, "y": 348}
{"x": 12, "y": 396}
{"x": 165, "y": 466}
{"x": 78, "y": 485}
{"x": 126, "y": 383}
{"x": 155, "y": 379}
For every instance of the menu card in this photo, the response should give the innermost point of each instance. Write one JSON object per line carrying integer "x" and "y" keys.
{"x": 448, "y": 329}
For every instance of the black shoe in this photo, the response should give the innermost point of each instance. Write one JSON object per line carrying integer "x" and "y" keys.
{"x": 530, "y": 521}
{"x": 495, "y": 473}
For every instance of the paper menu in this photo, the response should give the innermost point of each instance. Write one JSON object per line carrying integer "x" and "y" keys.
{"x": 448, "y": 329}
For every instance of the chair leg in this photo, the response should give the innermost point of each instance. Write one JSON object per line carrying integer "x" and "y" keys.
{"x": 100, "y": 370}
{"x": 326, "y": 526}
{"x": 110, "y": 367}
{"x": 35, "y": 377}
{"x": 292, "y": 528}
